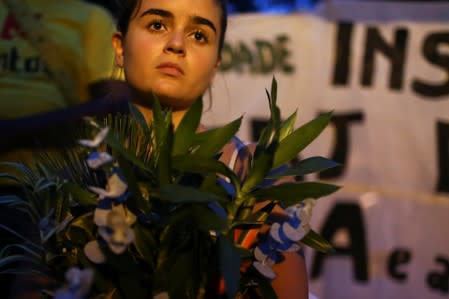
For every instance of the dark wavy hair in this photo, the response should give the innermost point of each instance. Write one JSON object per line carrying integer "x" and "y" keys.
{"x": 125, "y": 8}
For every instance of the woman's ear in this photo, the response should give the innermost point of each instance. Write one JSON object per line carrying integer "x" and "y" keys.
{"x": 117, "y": 43}
{"x": 216, "y": 68}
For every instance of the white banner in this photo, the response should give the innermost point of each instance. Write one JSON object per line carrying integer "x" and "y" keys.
{"x": 387, "y": 82}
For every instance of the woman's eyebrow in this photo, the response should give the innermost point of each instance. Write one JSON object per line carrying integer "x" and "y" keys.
{"x": 167, "y": 14}
{"x": 156, "y": 11}
{"x": 203, "y": 21}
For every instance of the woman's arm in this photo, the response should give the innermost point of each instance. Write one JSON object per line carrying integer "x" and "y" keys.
{"x": 22, "y": 132}
{"x": 291, "y": 281}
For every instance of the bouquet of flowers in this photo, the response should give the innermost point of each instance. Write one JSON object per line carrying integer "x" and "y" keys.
{"x": 139, "y": 210}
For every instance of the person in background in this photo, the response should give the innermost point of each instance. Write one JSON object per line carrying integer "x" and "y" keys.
{"x": 43, "y": 46}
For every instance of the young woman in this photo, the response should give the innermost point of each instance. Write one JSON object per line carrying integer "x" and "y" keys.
{"x": 172, "y": 48}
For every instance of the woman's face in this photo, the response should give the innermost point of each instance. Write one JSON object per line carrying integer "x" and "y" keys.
{"x": 171, "y": 49}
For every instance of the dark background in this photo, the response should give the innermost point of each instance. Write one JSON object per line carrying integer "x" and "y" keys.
{"x": 265, "y": 6}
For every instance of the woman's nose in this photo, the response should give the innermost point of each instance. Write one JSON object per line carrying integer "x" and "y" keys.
{"x": 176, "y": 43}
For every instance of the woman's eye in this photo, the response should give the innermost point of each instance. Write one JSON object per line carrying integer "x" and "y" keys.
{"x": 156, "y": 25}
{"x": 200, "y": 36}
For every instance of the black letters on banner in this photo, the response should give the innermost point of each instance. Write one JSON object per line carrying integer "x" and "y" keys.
{"x": 343, "y": 54}
{"x": 430, "y": 51}
{"x": 395, "y": 53}
{"x": 440, "y": 280}
{"x": 258, "y": 56}
{"x": 257, "y": 125}
{"x": 342, "y": 143}
{"x": 346, "y": 216}
{"x": 443, "y": 157}
{"x": 398, "y": 257}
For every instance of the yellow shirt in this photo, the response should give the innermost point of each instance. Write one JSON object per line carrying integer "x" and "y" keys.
{"x": 84, "y": 29}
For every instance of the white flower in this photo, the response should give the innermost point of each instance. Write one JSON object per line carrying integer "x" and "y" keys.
{"x": 115, "y": 227}
{"x": 97, "y": 159}
{"x": 116, "y": 187}
{"x": 265, "y": 268}
{"x": 118, "y": 233}
{"x": 98, "y": 139}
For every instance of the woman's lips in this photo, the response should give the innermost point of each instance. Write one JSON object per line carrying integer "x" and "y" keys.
{"x": 171, "y": 69}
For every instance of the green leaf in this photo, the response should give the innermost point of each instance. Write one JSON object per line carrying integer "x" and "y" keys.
{"x": 164, "y": 166}
{"x": 244, "y": 253}
{"x": 229, "y": 265}
{"x": 9, "y": 199}
{"x": 186, "y": 130}
{"x": 25, "y": 248}
{"x": 274, "y": 91}
{"x": 181, "y": 274}
{"x": 194, "y": 163}
{"x": 28, "y": 242}
{"x": 287, "y": 126}
{"x": 294, "y": 143}
{"x": 206, "y": 220}
{"x": 119, "y": 148}
{"x": 289, "y": 194}
{"x": 139, "y": 117}
{"x": 264, "y": 285}
{"x": 86, "y": 223}
{"x": 210, "y": 185}
{"x": 145, "y": 244}
{"x": 262, "y": 214}
{"x": 307, "y": 166}
{"x": 136, "y": 201}
{"x": 17, "y": 258}
{"x": 81, "y": 195}
{"x": 246, "y": 225}
{"x": 159, "y": 119}
{"x": 261, "y": 165}
{"x": 133, "y": 286}
{"x": 181, "y": 194}
{"x": 8, "y": 176}
{"x": 212, "y": 141}
{"x": 317, "y": 242}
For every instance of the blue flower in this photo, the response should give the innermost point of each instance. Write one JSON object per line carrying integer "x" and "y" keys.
{"x": 283, "y": 237}
{"x": 96, "y": 160}
{"x": 78, "y": 285}
{"x": 48, "y": 226}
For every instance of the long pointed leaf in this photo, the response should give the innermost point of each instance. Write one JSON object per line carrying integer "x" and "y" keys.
{"x": 9, "y": 199}
{"x": 287, "y": 126}
{"x": 181, "y": 194}
{"x": 294, "y": 143}
{"x": 307, "y": 166}
{"x": 136, "y": 201}
{"x": 229, "y": 265}
{"x": 317, "y": 242}
{"x": 139, "y": 117}
{"x": 81, "y": 195}
{"x": 290, "y": 193}
{"x": 4, "y": 227}
{"x": 261, "y": 165}
{"x": 212, "y": 141}
{"x": 17, "y": 258}
{"x": 185, "y": 132}
{"x": 23, "y": 247}
{"x": 194, "y": 163}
